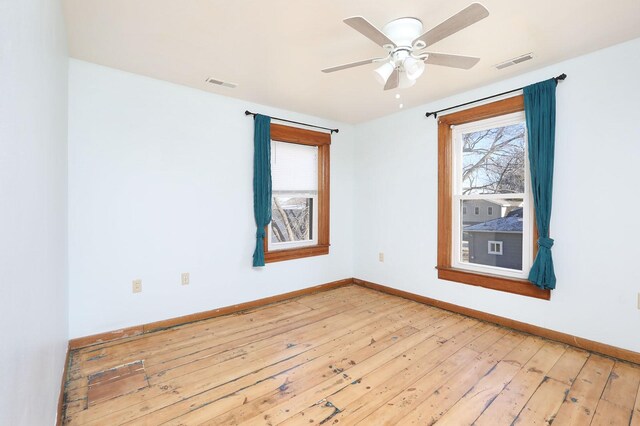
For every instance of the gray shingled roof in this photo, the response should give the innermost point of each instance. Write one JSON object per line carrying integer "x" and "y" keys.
{"x": 510, "y": 223}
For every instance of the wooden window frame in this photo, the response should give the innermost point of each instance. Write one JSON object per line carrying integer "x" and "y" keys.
{"x": 281, "y": 133}
{"x": 445, "y": 159}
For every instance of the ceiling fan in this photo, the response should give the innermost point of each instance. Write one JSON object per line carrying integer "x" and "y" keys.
{"x": 405, "y": 60}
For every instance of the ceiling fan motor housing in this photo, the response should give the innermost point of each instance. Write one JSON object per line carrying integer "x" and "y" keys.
{"x": 403, "y": 31}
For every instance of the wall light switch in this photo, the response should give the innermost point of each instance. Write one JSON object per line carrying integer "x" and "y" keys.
{"x": 185, "y": 278}
{"x": 136, "y": 286}
{"x": 381, "y": 257}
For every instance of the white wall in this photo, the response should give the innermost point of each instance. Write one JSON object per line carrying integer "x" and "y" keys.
{"x": 595, "y": 205}
{"x": 160, "y": 184}
{"x": 33, "y": 216}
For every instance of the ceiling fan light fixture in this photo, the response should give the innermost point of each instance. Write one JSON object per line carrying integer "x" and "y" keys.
{"x": 383, "y": 72}
{"x": 405, "y": 82}
{"x": 413, "y": 67}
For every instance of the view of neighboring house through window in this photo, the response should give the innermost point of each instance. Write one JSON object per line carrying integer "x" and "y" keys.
{"x": 294, "y": 207}
{"x": 490, "y": 177}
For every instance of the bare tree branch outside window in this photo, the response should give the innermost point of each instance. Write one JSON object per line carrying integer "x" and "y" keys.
{"x": 493, "y": 161}
{"x": 291, "y": 218}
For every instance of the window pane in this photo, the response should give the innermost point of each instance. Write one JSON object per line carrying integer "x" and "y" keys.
{"x": 294, "y": 167}
{"x": 493, "y": 160}
{"x": 292, "y": 218}
{"x": 498, "y": 233}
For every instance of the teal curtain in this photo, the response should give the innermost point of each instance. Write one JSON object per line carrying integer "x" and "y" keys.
{"x": 261, "y": 182}
{"x": 540, "y": 110}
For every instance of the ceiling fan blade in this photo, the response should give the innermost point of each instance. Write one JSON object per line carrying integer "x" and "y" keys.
{"x": 368, "y": 30}
{"x": 393, "y": 80}
{"x": 468, "y": 16}
{"x": 453, "y": 61}
{"x": 350, "y": 65}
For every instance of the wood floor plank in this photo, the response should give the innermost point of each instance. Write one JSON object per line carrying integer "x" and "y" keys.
{"x": 228, "y": 324}
{"x": 508, "y": 404}
{"x": 193, "y": 330}
{"x": 635, "y": 420}
{"x": 543, "y": 406}
{"x": 262, "y": 396}
{"x": 470, "y": 406}
{"x": 580, "y": 404}
{"x": 183, "y": 386}
{"x": 448, "y": 384}
{"x": 346, "y": 356}
{"x": 568, "y": 366}
{"x": 609, "y": 413}
{"x": 617, "y": 402}
{"x": 463, "y": 332}
{"x": 316, "y": 368}
{"x": 167, "y": 358}
{"x": 322, "y": 409}
{"x": 622, "y": 385}
{"x": 424, "y": 341}
{"x": 335, "y": 363}
{"x": 358, "y": 399}
{"x": 171, "y": 361}
{"x": 185, "y": 339}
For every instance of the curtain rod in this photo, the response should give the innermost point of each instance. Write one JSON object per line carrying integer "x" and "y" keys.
{"x": 247, "y": 112}
{"x": 435, "y": 113}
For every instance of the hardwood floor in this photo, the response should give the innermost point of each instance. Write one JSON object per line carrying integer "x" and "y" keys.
{"x": 347, "y": 356}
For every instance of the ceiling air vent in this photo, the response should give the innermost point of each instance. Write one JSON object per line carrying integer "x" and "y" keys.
{"x": 221, "y": 83}
{"x": 514, "y": 61}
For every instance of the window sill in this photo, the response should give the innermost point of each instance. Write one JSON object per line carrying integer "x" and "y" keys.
{"x": 509, "y": 285}
{"x": 295, "y": 253}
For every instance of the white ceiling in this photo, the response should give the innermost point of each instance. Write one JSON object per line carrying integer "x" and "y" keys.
{"x": 275, "y": 49}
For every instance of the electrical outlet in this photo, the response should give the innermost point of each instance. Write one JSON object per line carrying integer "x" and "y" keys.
{"x": 185, "y": 278}
{"x": 136, "y": 286}
{"x": 381, "y": 257}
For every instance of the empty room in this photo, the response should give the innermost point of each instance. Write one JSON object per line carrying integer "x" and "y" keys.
{"x": 319, "y": 212}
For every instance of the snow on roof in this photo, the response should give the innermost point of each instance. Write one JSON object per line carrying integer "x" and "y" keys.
{"x": 510, "y": 223}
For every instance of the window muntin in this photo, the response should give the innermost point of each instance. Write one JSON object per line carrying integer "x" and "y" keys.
{"x": 490, "y": 168}
{"x": 294, "y": 202}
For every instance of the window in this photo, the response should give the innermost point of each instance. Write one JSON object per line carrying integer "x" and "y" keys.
{"x": 300, "y": 194}
{"x": 294, "y": 203}
{"x": 464, "y": 210}
{"x": 483, "y": 163}
{"x": 495, "y": 247}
